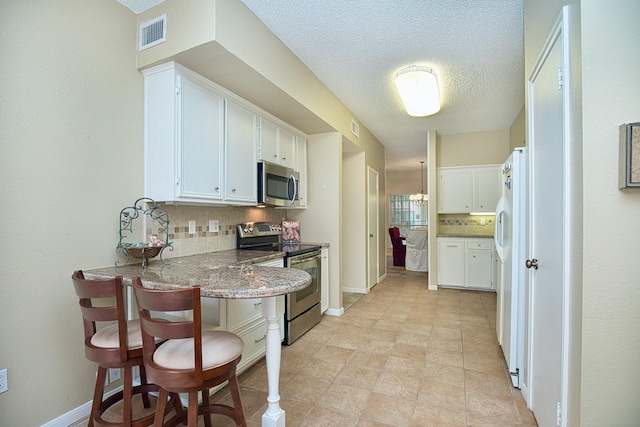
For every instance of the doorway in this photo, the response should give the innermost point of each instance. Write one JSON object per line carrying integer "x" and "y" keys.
{"x": 548, "y": 111}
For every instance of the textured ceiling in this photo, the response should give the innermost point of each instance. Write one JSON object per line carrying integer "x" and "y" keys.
{"x": 355, "y": 47}
{"x": 138, "y": 6}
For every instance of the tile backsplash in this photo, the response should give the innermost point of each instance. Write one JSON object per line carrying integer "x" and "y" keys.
{"x": 203, "y": 240}
{"x": 467, "y": 225}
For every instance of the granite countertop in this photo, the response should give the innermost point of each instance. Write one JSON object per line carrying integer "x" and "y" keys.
{"x": 225, "y": 274}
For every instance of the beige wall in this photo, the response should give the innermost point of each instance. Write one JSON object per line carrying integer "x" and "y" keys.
{"x": 518, "y": 130}
{"x": 475, "y": 148}
{"x": 406, "y": 182}
{"x": 611, "y": 291}
{"x": 324, "y": 205}
{"x": 70, "y": 159}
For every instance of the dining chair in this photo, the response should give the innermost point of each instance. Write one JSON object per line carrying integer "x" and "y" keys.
{"x": 112, "y": 341}
{"x": 399, "y": 249}
{"x": 190, "y": 360}
{"x": 417, "y": 258}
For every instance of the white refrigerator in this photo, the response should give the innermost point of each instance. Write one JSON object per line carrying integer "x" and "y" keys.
{"x": 510, "y": 242}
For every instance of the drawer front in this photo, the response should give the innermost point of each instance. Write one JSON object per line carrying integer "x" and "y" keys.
{"x": 243, "y": 312}
{"x": 254, "y": 345}
{"x": 479, "y": 244}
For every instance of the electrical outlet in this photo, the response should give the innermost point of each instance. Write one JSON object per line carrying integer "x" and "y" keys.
{"x": 192, "y": 227}
{"x": 114, "y": 375}
{"x": 213, "y": 226}
{"x": 4, "y": 381}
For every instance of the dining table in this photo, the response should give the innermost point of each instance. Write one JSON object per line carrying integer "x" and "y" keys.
{"x": 228, "y": 275}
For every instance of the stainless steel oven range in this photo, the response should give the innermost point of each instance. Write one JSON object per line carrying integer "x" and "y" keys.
{"x": 302, "y": 308}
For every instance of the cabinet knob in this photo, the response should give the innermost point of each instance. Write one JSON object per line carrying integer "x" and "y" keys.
{"x": 275, "y": 156}
{"x": 233, "y": 190}
{"x": 217, "y": 188}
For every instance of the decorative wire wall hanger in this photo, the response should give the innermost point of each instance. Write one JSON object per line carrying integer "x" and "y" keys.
{"x": 151, "y": 216}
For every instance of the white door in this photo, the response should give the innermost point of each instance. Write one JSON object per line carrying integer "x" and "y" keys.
{"x": 546, "y": 232}
{"x": 373, "y": 226}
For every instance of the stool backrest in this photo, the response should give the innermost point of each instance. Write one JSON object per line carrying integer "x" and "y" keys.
{"x": 101, "y": 301}
{"x": 156, "y": 328}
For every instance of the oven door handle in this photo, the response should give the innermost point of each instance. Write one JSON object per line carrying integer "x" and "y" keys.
{"x": 299, "y": 259}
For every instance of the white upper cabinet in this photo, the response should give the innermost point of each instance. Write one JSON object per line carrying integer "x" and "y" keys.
{"x": 202, "y": 142}
{"x": 469, "y": 189}
{"x": 277, "y": 145}
{"x": 487, "y": 181}
{"x": 241, "y": 178}
{"x": 184, "y": 131}
{"x": 456, "y": 190}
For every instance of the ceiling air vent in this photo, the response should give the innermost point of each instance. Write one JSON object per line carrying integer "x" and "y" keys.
{"x": 153, "y": 32}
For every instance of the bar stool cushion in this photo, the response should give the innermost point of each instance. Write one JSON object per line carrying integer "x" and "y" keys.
{"x": 218, "y": 348}
{"x": 107, "y": 337}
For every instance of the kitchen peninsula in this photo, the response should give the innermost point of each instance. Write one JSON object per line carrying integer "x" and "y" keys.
{"x": 229, "y": 274}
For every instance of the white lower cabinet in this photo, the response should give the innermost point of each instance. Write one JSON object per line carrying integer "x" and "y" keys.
{"x": 451, "y": 262}
{"x": 244, "y": 318}
{"x": 465, "y": 262}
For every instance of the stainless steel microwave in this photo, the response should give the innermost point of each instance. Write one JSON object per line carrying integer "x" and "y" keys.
{"x": 277, "y": 185}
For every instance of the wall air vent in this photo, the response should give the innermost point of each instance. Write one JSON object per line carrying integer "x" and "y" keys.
{"x": 153, "y": 32}
{"x": 355, "y": 128}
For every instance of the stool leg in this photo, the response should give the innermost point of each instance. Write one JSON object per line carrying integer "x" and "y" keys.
{"x": 192, "y": 411}
{"x": 143, "y": 381}
{"x": 160, "y": 408}
{"x": 237, "y": 401}
{"x": 126, "y": 398}
{"x": 206, "y": 411}
{"x": 97, "y": 394}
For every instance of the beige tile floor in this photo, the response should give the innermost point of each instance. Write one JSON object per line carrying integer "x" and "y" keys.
{"x": 399, "y": 356}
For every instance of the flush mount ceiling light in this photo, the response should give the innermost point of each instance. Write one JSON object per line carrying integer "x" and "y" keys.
{"x": 418, "y": 88}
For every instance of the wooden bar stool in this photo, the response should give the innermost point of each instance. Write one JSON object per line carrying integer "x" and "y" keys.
{"x": 116, "y": 345}
{"x": 190, "y": 360}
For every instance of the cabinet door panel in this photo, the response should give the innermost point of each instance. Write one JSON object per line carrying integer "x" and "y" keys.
{"x": 456, "y": 191}
{"x": 487, "y": 189}
{"x": 286, "y": 148}
{"x": 451, "y": 262}
{"x": 241, "y": 167}
{"x": 268, "y": 141}
{"x": 479, "y": 268}
{"x": 201, "y": 135}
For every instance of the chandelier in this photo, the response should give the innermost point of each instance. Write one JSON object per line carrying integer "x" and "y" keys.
{"x": 420, "y": 199}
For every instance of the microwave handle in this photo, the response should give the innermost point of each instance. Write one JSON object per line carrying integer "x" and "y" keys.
{"x": 292, "y": 197}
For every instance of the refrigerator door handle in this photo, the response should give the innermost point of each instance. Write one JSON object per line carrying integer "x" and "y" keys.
{"x": 498, "y": 233}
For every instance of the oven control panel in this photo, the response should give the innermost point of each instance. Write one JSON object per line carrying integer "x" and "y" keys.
{"x": 254, "y": 229}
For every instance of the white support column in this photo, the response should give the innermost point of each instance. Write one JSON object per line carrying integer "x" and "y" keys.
{"x": 274, "y": 416}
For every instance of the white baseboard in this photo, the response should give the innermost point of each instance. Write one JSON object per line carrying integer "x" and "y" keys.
{"x": 354, "y": 290}
{"x": 525, "y": 393}
{"x": 77, "y": 414}
{"x": 335, "y": 312}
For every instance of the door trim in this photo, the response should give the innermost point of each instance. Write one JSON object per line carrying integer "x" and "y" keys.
{"x": 371, "y": 282}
